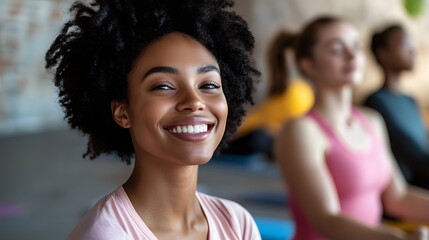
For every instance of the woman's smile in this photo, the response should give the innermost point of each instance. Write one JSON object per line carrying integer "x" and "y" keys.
{"x": 191, "y": 129}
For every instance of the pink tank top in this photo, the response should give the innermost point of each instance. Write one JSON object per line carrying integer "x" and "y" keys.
{"x": 359, "y": 177}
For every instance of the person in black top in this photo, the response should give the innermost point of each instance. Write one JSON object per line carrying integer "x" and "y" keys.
{"x": 395, "y": 54}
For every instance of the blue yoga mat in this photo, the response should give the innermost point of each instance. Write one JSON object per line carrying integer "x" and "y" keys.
{"x": 275, "y": 229}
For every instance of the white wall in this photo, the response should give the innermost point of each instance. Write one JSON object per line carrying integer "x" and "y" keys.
{"x": 27, "y": 98}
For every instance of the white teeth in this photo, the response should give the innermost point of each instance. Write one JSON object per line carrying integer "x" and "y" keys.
{"x": 192, "y": 129}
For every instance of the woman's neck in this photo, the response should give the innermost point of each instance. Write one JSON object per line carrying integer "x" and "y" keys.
{"x": 334, "y": 105}
{"x": 164, "y": 193}
{"x": 392, "y": 80}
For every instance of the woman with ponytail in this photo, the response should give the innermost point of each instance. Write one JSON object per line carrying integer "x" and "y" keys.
{"x": 335, "y": 160}
{"x": 289, "y": 97}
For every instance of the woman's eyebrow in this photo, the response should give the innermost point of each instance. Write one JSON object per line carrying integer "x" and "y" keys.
{"x": 172, "y": 70}
{"x": 207, "y": 69}
{"x": 160, "y": 69}
{"x": 334, "y": 41}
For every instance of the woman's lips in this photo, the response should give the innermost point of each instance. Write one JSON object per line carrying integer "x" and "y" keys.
{"x": 350, "y": 69}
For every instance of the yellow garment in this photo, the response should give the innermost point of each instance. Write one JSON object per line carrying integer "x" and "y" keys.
{"x": 296, "y": 101}
{"x": 404, "y": 225}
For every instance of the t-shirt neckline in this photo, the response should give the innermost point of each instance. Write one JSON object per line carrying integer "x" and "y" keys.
{"x": 142, "y": 225}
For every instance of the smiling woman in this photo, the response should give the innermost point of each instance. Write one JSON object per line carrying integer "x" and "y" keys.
{"x": 175, "y": 84}
{"x": 165, "y": 82}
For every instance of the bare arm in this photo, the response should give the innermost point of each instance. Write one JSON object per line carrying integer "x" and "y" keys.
{"x": 399, "y": 198}
{"x": 300, "y": 150}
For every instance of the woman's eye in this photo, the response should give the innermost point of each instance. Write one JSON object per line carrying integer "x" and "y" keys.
{"x": 161, "y": 87}
{"x": 210, "y": 85}
{"x": 337, "y": 51}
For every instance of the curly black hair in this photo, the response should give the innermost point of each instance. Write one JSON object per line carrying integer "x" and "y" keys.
{"x": 95, "y": 50}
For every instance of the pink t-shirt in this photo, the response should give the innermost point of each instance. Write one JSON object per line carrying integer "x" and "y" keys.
{"x": 114, "y": 217}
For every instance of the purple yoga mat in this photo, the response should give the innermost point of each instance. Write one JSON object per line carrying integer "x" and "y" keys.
{"x": 10, "y": 210}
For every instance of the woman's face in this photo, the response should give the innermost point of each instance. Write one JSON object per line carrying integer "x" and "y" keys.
{"x": 399, "y": 53}
{"x": 176, "y": 110}
{"x": 337, "y": 56}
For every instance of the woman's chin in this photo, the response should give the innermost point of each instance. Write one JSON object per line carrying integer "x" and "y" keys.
{"x": 355, "y": 79}
{"x": 198, "y": 158}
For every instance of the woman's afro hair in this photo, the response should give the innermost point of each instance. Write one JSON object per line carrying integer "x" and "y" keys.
{"x": 95, "y": 50}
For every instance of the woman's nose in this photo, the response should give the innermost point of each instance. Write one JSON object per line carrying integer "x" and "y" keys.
{"x": 351, "y": 54}
{"x": 190, "y": 101}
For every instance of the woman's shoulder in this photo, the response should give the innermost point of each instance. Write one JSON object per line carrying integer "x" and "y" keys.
{"x": 300, "y": 127}
{"x": 298, "y": 137}
{"x": 100, "y": 221}
{"x": 231, "y": 214}
{"x": 223, "y": 206}
{"x": 373, "y": 116}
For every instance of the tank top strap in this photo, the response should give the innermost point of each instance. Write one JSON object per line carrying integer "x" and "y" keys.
{"x": 322, "y": 124}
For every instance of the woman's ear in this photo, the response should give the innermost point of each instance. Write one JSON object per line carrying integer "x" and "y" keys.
{"x": 120, "y": 114}
{"x": 306, "y": 66}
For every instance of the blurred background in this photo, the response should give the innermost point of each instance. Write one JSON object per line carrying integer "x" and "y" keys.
{"x": 46, "y": 186}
